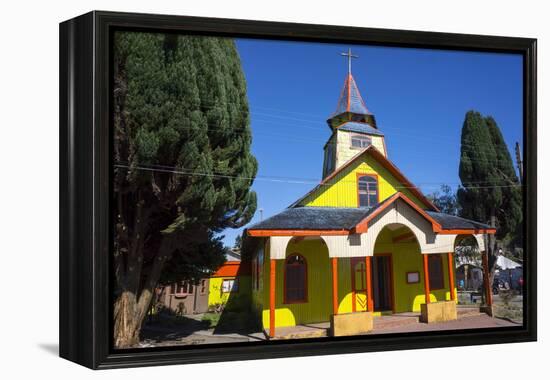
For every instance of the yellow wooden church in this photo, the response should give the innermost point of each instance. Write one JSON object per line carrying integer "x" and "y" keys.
{"x": 363, "y": 242}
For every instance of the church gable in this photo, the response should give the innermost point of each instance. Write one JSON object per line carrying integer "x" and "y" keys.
{"x": 363, "y": 180}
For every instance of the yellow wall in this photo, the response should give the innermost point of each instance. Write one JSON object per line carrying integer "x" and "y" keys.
{"x": 318, "y": 307}
{"x": 406, "y": 257}
{"x": 341, "y": 191}
{"x": 239, "y": 300}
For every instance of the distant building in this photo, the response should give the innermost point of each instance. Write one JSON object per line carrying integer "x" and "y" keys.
{"x": 185, "y": 298}
{"x": 229, "y": 286}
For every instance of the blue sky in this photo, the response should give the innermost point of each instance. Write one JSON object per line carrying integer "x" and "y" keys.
{"x": 418, "y": 96}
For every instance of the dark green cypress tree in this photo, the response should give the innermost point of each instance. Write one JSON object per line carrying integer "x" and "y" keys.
{"x": 183, "y": 167}
{"x": 510, "y": 217}
{"x": 490, "y": 190}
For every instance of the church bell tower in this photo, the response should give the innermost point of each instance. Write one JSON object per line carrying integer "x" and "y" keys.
{"x": 353, "y": 126}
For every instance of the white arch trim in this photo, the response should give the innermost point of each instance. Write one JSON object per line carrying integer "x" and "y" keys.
{"x": 277, "y": 247}
{"x": 360, "y": 245}
{"x": 402, "y": 213}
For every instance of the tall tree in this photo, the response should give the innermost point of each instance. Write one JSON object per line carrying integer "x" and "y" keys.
{"x": 183, "y": 167}
{"x": 445, "y": 200}
{"x": 490, "y": 190}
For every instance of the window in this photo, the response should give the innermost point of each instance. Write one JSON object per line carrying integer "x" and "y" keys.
{"x": 203, "y": 287}
{"x": 230, "y": 286}
{"x": 413, "y": 277}
{"x": 329, "y": 158}
{"x": 367, "y": 188}
{"x": 257, "y": 263}
{"x": 182, "y": 288}
{"x": 295, "y": 279}
{"x": 435, "y": 271}
{"x": 358, "y": 141}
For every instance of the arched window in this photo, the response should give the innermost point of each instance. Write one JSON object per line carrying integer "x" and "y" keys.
{"x": 295, "y": 279}
{"x": 367, "y": 189}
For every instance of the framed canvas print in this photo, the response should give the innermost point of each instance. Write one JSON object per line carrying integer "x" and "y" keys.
{"x": 237, "y": 190}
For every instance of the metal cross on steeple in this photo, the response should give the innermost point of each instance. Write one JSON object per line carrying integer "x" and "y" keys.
{"x": 350, "y": 56}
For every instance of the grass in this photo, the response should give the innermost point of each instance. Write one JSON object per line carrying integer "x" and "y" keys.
{"x": 212, "y": 318}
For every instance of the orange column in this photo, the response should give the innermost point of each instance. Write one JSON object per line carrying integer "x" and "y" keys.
{"x": 368, "y": 274}
{"x": 426, "y": 279}
{"x": 334, "y": 262}
{"x": 451, "y": 266}
{"x": 488, "y": 288}
{"x": 272, "y": 268}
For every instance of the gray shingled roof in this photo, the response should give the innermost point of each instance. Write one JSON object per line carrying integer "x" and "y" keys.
{"x": 315, "y": 218}
{"x": 345, "y": 218}
{"x": 354, "y": 126}
{"x": 451, "y": 222}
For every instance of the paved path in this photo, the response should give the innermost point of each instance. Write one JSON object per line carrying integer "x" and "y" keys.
{"x": 163, "y": 336}
{"x": 158, "y": 337}
{"x": 471, "y": 322}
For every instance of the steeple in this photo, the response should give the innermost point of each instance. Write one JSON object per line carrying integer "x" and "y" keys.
{"x": 353, "y": 126}
{"x": 351, "y": 106}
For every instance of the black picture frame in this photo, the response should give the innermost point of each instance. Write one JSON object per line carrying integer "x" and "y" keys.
{"x": 85, "y": 237}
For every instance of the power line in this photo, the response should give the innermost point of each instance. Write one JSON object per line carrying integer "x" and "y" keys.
{"x": 278, "y": 179}
{"x": 248, "y": 130}
{"x": 271, "y": 134}
{"x": 311, "y": 180}
{"x": 320, "y": 121}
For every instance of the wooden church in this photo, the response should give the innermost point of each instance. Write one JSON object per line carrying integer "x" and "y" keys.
{"x": 362, "y": 243}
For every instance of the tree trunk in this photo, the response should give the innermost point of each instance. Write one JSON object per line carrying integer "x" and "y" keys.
{"x": 492, "y": 253}
{"x": 129, "y": 310}
{"x": 127, "y": 327}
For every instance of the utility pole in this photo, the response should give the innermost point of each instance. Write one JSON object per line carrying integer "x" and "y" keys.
{"x": 519, "y": 163}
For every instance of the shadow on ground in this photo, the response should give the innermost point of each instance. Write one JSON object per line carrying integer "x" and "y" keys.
{"x": 236, "y": 322}
{"x": 170, "y": 327}
{"x": 237, "y": 316}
